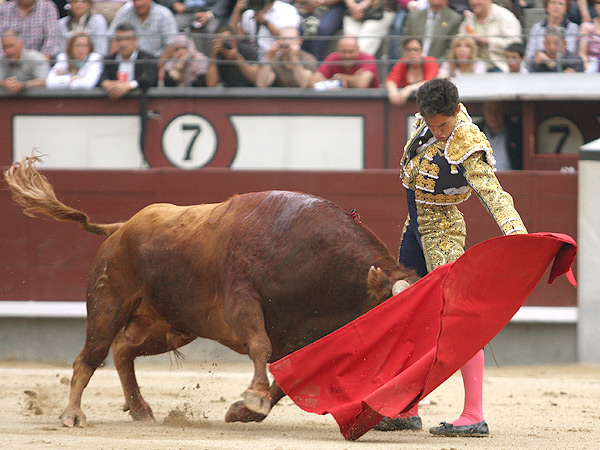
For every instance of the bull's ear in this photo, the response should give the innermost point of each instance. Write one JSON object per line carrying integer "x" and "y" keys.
{"x": 399, "y": 286}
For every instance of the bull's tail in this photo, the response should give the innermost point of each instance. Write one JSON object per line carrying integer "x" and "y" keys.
{"x": 35, "y": 194}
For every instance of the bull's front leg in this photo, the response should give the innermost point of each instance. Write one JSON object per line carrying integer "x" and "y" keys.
{"x": 246, "y": 318}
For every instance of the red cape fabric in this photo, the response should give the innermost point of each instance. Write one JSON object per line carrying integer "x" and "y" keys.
{"x": 388, "y": 359}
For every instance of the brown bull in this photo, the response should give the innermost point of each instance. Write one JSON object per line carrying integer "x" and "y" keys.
{"x": 263, "y": 273}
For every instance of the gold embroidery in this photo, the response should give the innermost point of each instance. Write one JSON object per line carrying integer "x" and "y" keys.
{"x": 443, "y": 232}
{"x": 498, "y": 202}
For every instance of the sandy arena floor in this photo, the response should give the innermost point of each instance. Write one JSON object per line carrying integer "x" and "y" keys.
{"x": 550, "y": 407}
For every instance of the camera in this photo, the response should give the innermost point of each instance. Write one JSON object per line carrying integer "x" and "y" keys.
{"x": 227, "y": 44}
{"x": 256, "y": 5}
{"x": 284, "y": 45}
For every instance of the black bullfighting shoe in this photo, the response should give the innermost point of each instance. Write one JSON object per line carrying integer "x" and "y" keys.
{"x": 413, "y": 423}
{"x": 479, "y": 429}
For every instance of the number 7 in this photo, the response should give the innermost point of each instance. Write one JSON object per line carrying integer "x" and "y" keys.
{"x": 565, "y": 134}
{"x": 190, "y": 127}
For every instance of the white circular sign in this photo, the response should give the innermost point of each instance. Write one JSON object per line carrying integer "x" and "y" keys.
{"x": 189, "y": 141}
{"x": 559, "y": 135}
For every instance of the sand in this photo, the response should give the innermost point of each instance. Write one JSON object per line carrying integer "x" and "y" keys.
{"x": 548, "y": 407}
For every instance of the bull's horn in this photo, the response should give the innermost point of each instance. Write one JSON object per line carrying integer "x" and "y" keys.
{"x": 399, "y": 286}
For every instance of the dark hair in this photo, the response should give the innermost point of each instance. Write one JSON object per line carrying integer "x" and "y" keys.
{"x": 437, "y": 96}
{"x": 516, "y": 47}
{"x": 126, "y": 27}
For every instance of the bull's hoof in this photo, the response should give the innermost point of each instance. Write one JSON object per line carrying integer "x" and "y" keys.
{"x": 259, "y": 402}
{"x": 73, "y": 417}
{"x": 238, "y": 412}
{"x": 140, "y": 412}
{"x": 142, "y": 415}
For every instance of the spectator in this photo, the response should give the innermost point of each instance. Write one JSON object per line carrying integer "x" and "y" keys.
{"x": 233, "y": 63}
{"x": 493, "y": 28}
{"x": 396, "y": 31}
{"x": 410, "y": 72}
{"x": 20, "y": 68}
{"x": 79, "y": 67}
{"x": 36, "y": 21}
{"x": 349, "y": 66}
{"x": 582, "y": 11}
{"x": 107, "y": 8}
{"x": 505, "y": 135}
{"x": 321, "y": 19}
{"x": 81, "y": 19}
{"x": 202, "y": 18}
{"x": 589, "y": 47}
{"x": 369, "y": 21}
{"x": 130, "y": 67}
{"x": 556, "y": 16}
{"x": 262, "y": 21}
{"x": 154, "y": 24}
{"x": 515, "y": 58}
{"x": 462, "y": 58}
{"x": 461, "y": 7}
{"x": 555, "y": 57}
{"x": 285, "y": 64}
{"x": 188, "y": 66}
{"x": 436, "y": 25}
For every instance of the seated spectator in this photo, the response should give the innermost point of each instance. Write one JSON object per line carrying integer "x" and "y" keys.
{"x": 493, "y": 28}
{"x": 436, "y": 25}
{"x": 81, "y": 19}
{"x": 556, "y": 16}
{"x": 37, "y": 23}
{"x": 233, "y": 63}
{"x": 20, "y": 68}
{"x": 202, "y": 18}
{"x": 462, "y": 58}
{"x": 589, "y": 47}
{"x": 515, "y": 58}
{"x": 555, "y": 57}
{"x": 188, "y": 66}
{"x": 348, "y": 65}
{"x": 321, "y": 19}
{"x": 285, "y": 64}
{"x": 262, "y": 20}
{"x": 505, "y": 135}
{"x": 369, "y": 21}
{"x": 79, "y": 67}
{"x": 154, "y": 25}
{"x": 410, "y": 72}
{"x": 130, "y": 67}
{"x": 107, "y": 8}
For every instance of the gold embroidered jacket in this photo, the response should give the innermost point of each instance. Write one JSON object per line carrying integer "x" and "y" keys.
{"x": 446, "y": 172}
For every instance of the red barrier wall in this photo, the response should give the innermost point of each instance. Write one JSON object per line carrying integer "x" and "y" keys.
{"x": 48, "y": 260}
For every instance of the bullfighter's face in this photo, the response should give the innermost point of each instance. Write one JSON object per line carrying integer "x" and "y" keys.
{"x": 441, "y": 125}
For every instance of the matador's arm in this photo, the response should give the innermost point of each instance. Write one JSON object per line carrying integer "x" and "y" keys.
{"x": 480, "y": 176}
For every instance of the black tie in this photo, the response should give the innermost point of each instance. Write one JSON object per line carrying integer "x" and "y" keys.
{"x": 412, "y": 151}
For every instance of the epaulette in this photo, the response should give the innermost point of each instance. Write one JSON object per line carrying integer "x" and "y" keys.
{"x": 465, "y": 140}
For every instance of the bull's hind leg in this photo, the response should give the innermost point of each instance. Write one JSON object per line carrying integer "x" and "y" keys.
{"x": 142, "y": 336}
{"x": 95, "y": 350}
{"x": 243, "y": 312}
{"x": 107, "y": 314}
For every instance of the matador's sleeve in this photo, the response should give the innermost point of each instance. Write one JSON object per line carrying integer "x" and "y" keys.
{"x": 480, "y": 176}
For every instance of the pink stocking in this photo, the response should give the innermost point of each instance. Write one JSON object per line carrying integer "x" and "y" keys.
{"x": 414, "y": 411}
{"x": 472, "y": 374}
